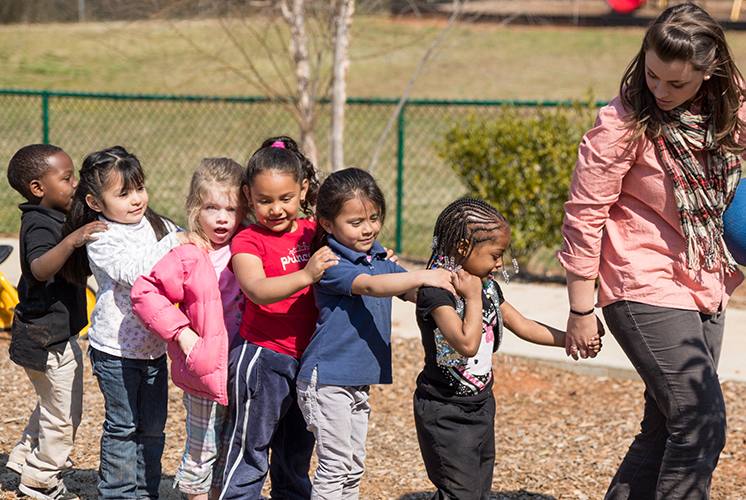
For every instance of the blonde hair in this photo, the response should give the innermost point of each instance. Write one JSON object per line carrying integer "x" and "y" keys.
{"x": 223, "y": 173}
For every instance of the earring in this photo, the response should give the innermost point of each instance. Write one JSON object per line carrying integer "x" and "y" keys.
{"x": 707, "y": 77}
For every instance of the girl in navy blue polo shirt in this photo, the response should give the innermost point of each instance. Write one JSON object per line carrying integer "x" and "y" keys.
{"x": 351, "y": 347}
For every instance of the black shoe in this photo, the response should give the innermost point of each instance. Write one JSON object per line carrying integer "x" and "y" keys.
{"x": 59, "y": 492}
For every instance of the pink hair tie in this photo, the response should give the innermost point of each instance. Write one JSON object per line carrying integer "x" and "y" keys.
{"x": 278, "y": 144}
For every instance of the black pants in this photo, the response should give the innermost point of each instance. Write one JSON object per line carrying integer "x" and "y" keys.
{"x": 683, "y": 429}
{"x": 457, "y": 443}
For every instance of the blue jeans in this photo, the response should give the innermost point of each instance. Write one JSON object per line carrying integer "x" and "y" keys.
{"x": 136, "y": 399}
{"x": 683, "y": 429}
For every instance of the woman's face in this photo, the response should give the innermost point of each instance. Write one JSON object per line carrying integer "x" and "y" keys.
{"x": 673, "y": 83}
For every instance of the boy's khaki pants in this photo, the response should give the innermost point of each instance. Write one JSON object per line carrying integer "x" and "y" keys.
{"x": 44, "y": 449}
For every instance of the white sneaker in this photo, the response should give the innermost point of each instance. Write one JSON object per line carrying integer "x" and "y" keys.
{"x": 15, "y": 467}
{"x": 59, "y": 492}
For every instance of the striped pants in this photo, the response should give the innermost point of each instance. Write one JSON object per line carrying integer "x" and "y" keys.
{"x": 266, "y": 417}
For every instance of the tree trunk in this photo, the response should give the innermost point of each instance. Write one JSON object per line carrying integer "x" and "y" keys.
{"x": 341, "y": 22}
{"x": 295, "y": 16}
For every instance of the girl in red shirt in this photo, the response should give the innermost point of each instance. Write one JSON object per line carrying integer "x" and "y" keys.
{"x": 275, "y": 268}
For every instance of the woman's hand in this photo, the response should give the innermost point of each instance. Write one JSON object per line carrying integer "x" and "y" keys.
{"x": 583, "y": 336}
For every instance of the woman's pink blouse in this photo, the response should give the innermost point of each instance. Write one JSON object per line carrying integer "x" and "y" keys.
{"x": 621, "y": 224}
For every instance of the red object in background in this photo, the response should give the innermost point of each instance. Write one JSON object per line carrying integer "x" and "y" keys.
{"x": 625, "y": 6}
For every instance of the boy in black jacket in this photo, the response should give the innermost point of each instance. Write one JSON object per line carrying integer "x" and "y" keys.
{"x": 48, "y": 319}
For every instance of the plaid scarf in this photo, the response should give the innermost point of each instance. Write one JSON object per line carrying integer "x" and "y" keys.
{"x": 701, "y": 199}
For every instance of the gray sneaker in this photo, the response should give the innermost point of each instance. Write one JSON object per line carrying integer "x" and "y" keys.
{"x": 59, "y": 492}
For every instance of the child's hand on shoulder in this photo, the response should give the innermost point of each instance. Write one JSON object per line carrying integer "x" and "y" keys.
{"x": 467, "y": 285}
{"x": 319, "y": 262}
{"x": 84, "y": 234}
{"x": 190, "y": 237}
{"x": 390, "y": 255}
{"x": 439, "y": 278}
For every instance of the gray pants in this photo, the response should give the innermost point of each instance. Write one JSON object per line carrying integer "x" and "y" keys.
{"x": 683, "y": 429}
{"x": 338, "y": 417}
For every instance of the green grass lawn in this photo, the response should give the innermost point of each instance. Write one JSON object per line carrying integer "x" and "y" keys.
{"x": 473, "y": 62}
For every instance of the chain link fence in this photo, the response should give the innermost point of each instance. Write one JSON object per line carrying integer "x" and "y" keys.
{"x": 171, "y": 134}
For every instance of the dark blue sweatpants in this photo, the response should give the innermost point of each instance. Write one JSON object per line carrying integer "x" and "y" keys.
{"x": 266, "y": 416}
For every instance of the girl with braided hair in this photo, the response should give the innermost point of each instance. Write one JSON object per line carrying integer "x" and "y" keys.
{"x": 454, "y": 407}
{"x": 644, "y": 217}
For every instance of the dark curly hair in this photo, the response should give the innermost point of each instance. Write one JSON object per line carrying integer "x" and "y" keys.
{"x": 287, "y": 159}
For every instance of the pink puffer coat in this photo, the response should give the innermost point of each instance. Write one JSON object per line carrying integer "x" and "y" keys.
{"x": 186, "y": 276}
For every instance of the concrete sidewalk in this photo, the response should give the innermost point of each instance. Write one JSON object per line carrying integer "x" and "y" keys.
{"x": 548, "y": 304}
{"x": 545, "y": 303}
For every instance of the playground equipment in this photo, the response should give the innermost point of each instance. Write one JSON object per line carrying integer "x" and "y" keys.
{"x": 625, "y": 6}
{"x": 9, "y": 296}
{"x": 8, "y": 293}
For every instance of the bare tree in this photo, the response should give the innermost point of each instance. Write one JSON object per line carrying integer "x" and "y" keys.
{"x": 458, "y": 6}
{"x": 342, "y": 20}
{"x": 295, "y": 16}
{"x": 314, "y": 49}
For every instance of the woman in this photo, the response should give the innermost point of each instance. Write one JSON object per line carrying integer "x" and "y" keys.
{"x": 644, "y": 216}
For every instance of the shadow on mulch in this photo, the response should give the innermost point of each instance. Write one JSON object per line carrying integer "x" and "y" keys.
{"x": 504, "y": 495}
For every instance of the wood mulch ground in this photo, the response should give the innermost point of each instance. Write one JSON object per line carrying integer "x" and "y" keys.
{"x": 559, "y": 434}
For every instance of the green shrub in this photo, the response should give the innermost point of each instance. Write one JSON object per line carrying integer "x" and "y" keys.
{"x": 522, "y": 164}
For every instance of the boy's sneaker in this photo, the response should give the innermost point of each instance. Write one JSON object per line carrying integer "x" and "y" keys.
{"x": 14, "y": 466}
{"x": 59, "y": 492}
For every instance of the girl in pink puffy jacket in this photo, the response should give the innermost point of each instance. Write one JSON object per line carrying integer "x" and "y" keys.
{"x": 204, "y": 289}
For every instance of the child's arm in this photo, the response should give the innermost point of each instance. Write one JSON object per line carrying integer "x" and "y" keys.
{"x": 262, "y": 290}
{"x": 530, "y": 330}
{"x": 464, "y": 336}
{"x": 389, "y": 285}
{"x": 125, "y": 260}
{"x": 154, "y": 298}
{"x": 49, "y": 264}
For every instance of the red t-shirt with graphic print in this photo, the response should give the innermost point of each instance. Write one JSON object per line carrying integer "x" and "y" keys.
{"x": 286, "y": 326}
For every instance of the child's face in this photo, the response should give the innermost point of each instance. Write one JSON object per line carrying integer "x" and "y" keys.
{"x": 357, "y": 225}
{"x": 276, "y": 197}
{"x": 487, "y": 256}
{"x": 119, "y": 205}
{"x": 58, "y": 185}
{"x": 219, "y": 215}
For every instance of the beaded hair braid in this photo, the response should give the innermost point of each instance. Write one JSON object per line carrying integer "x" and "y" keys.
{"x": 465, "y": 220}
